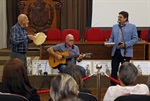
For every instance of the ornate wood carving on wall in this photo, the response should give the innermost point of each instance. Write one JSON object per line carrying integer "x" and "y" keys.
{"x": 43, "y": 14}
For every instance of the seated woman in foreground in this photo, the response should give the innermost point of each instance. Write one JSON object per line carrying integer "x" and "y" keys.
{"x": 15, "y": 80}
{"x": 74, "y": 72}
{"x": 127, "y": 76}
{"x": 62, "y": 87}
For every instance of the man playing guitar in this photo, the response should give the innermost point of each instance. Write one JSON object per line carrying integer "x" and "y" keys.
{"x": 73, "y": 50}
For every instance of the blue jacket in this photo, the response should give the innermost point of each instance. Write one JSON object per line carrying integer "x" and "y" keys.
{"x": 130, "y": 37}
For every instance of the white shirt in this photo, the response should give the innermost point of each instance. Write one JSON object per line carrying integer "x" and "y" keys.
{"x": 115, "y": 91}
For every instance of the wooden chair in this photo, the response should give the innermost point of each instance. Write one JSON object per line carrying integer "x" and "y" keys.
{"x": 107, "y": 34}
{"x": 53, "y": 34}
{"x": 144, "y": 34}
{"x": 74, "y": 32}
{"x": 94, "y": 34}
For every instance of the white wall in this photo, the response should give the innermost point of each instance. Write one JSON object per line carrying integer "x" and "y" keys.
{"x": 3, "y": 24}
{"x": 105, "y": 12}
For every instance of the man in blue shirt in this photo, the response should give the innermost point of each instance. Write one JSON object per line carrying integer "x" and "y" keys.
{"x": 124, "y": 35}
{"x": 19, "y": 38}
{"x": 73, "y": 50}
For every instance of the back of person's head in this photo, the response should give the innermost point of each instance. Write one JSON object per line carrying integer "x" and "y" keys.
{"x": 74, "y": 71}
{"x": 128, "y": 73}
{"x": 148, "y": 82}
{"x": 15, "y": 76}
{"x": 62, "y": 86}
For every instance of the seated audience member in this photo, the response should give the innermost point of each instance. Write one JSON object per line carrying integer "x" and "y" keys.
{"x": 127, "y": 76}
{"x": 63, "y": 86}
{"x": 74, "y": 71}
{"x": 15, "y": 80}
{"x": 148, "y": 82}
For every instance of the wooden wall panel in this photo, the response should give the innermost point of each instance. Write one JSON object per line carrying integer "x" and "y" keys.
{"x": 41, "y": 13}
{"x": 73, "y": 14}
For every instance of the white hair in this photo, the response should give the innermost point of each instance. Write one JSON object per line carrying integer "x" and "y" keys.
{"x": 21, "y": 17}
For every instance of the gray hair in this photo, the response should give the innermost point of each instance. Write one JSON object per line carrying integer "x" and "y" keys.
{"x": 62, "y": 86}
{"x": 128, "y": 73}
{"x": 21, "y": 17}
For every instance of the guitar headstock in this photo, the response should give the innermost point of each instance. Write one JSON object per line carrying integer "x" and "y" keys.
{"x": 87, "y": 55}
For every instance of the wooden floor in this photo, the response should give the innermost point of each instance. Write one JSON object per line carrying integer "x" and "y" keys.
{"x": 46, "y": 96}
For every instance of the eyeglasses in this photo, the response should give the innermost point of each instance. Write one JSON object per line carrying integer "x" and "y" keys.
{"x": 71, "y": 40}
{"x": 120, "y": 17}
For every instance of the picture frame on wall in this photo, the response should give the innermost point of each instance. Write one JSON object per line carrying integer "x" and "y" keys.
{"x": 87, "y": 64}
{"x": 39, "y": 67}
{"x": 106, "y": 66}
{"x": 29, "y": 66}
{"x": 143, "y": 66}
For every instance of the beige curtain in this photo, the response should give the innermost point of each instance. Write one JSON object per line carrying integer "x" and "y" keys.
{"x": 3, "y": 27}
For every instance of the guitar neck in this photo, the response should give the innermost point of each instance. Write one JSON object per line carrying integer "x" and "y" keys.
{"x": 72, "y": 56}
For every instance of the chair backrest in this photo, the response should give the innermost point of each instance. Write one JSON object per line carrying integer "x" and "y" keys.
{"x": 53, "y": 35}
{"x": 107, "y": 34}
{"x": 148, "y": 82}
{"x": 94, "y": 34}
{"x": 86, "y": 96}
{"x": 144, "y": 34}
{"x": 12, "y": 97}
{"x": 133, "y": 97}
{"x": 74, "y": 32}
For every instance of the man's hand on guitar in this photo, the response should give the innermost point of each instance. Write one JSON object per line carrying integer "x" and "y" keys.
{"x": 80, "y": 57}
{"x": 59, "y": 57}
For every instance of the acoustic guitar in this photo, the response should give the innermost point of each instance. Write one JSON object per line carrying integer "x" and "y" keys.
{"x": 54, "y": 62}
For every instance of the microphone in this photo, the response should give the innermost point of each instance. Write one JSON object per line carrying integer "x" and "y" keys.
{"x": 120, "y": 25}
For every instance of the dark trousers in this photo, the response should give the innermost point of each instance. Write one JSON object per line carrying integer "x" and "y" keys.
{"x": 116, "y": 60}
